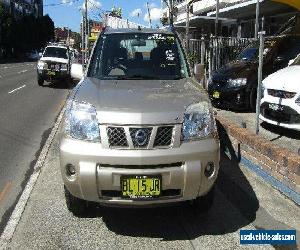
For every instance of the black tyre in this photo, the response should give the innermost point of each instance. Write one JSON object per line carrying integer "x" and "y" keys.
{"x": 75, "y": 205}
{"x": 252, "y": 99}
{"x": 204, "y": 203}
{"x": 40, "y": 81}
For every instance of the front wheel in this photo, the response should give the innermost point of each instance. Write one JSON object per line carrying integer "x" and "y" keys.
{"x": 40, "y": 81}
{"x": 204, "y": 203}
{"x": 75, "y": 205}
{"x": 252, "y": 99}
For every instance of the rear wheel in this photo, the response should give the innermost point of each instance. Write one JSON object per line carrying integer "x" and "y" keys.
{"x": 204, "y": 203}
{"x": 40, "y": 81}
{"x": 75, "y": 205}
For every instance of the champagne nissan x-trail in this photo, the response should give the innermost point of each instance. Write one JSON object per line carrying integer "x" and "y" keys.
{"x": 138, "y": 130}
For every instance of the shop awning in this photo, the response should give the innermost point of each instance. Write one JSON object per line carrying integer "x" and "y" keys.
{"x": 293, "y": 3}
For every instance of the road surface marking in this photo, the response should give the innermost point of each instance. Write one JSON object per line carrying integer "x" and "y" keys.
{"x": 22, "y": 71}
{"x": 16, "y": 89}
{"x": 5, "y": 190}
{"x": 15, "y": 217}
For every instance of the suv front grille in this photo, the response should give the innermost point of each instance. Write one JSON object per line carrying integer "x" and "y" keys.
{"x": 163, "y": 136}
{"x": 117, "y": 137}
{"x": 140, "y": 137}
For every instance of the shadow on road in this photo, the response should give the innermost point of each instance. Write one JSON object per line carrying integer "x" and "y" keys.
{"x": 289, "y": 133}
{"x": 61, "y": 84}
{"x": 234, "y": 207}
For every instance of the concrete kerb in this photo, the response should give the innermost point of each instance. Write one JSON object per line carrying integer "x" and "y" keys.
{"x": 278, "y": 166}
{"x": 17, "y": 212}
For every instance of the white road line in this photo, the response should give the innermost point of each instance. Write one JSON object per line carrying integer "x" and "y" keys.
{"x": 16, "y": 89}
{"x": 17, "y": 213}
{"x": 22, "y": 71}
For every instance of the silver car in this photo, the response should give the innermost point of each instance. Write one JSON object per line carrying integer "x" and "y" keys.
{"x": 138, "y": 129}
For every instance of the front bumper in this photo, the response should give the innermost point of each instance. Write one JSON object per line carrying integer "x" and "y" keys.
{"x": 232, "y": 98}
{"x": 47, "y": 74}
{"x": 284, "y": 113}
{"x": 98, "y": 170}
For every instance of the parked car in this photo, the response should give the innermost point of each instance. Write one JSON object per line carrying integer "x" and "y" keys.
{"x": 234, "y": 86}
{"x": 280, "y": 104}
{"x": 138, "y": 131}
{"x": 54, "y": 64}
{"x": 32, "y": 55}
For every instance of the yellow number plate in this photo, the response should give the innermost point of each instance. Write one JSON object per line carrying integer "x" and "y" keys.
{"x": 51, "y": 73}
{"x": 216, "y": 95}
{"x": 140, "y": 187}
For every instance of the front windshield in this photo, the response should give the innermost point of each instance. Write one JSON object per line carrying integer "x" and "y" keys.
{"x": 248, "y": 54}
{"x": 138, "y": 55}
{"x": 56, "y": 52}
{"x": 252, "y": 52}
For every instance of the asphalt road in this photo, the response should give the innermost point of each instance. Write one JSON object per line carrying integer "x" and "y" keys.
{"x": 242, "y": 201}
{"x": 27, "y": 114}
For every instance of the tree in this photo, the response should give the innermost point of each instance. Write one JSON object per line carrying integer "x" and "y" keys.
{"x": 24, "y": 34}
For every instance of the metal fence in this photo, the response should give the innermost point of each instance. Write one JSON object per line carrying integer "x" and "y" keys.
{"x": 214, "y": 52}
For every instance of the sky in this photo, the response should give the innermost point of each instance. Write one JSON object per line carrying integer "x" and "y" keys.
{"x": 67, "y": 13}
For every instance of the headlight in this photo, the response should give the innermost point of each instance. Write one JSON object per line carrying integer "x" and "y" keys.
{"x": 298, "y": 100}
{"x": 198, "y": 121}
{"x": 42, "y": 65}
{"x": 81, "y": 122}
{"x": 64, "y": 67}
{"x": 234, "y": 83}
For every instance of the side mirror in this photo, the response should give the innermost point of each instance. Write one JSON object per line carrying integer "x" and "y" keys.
{"x": 199, "y": 71}
{"x": 40, "y": 54}
{"x": 291, "y": 62}
{"x": 76, "y": 71}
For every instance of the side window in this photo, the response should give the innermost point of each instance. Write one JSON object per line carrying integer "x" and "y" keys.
{"x": 96, "y": 58}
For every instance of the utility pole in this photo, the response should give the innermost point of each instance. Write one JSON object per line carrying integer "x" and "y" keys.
{"x": 259, "y": 81}
{"x": 187, "y": 23}
{"x": 83, "y": 38}
{"x": 187, "y": 28}
{"x": 217, "y": 18}
{"x": 257, "y": 20}
{"x": 68, "y": 39}
{"x": 171, "y": 8}
{"x": 149, "y": 16}
{"x": 86, "y": 32}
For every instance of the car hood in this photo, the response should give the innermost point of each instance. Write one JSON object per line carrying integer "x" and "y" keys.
{"x": 286, "y": 79}
{"x": 54, "y": 59}
{"x": 139, "y": 101}
{"x": 236, "y": 69}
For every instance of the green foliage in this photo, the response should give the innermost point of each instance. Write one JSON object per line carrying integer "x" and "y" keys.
{"x": 192, "y": 57}
{"x": 116, "y": 12}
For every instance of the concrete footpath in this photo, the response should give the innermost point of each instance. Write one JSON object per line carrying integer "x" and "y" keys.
{"x": 285, "y": 138}
{"x": 243, "y": 201}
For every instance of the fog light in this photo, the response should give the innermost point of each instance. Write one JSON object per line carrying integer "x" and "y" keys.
{"x": 71, "y": 170}
{"x": 209, "y": 169}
